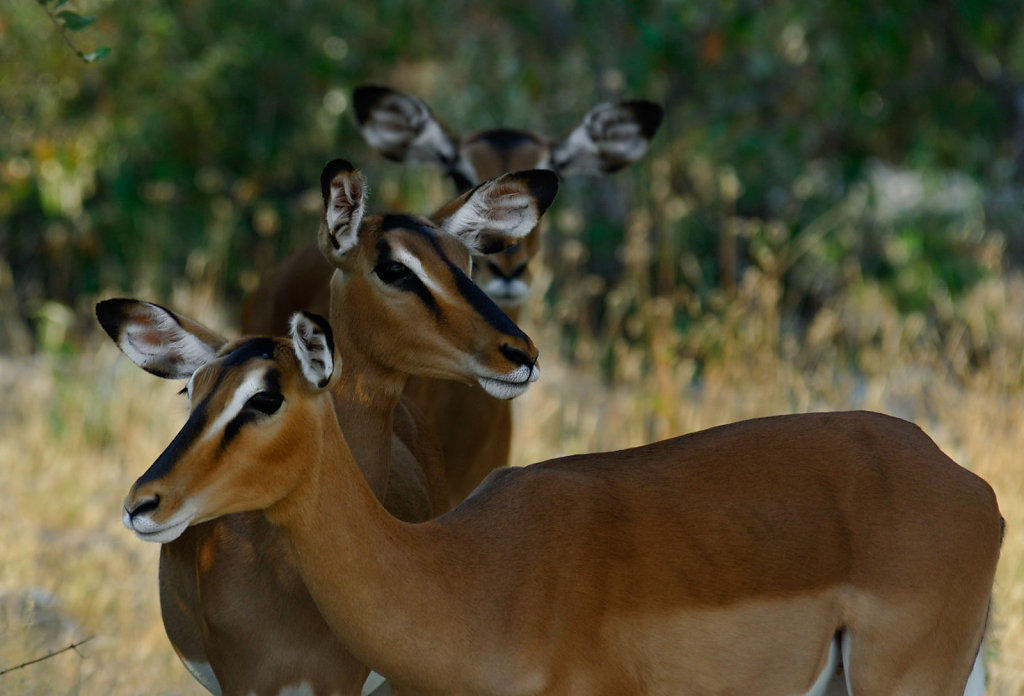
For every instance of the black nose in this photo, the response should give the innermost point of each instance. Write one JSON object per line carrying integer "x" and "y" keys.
{"x": 145, "y": 505}
{"x": 517, "y": 356}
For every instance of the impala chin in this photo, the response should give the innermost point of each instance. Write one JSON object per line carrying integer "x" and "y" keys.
{"x": 510, "y": 385}
{"x": 147, "y": 529}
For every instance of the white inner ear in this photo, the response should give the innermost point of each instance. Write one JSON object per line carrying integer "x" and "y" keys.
{"x": 403, "y": 122}
{"x": 345, "y": 208}
{"x": 431, "y": 146}
{"x": 163, "y": 345}
{"x": 315, "y": 356}
{"x": 607, "y": 131}
{"x": 497, "y": 208}
{"x": 616, "y": 131}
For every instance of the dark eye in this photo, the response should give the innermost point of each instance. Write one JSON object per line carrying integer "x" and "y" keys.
{"x": 265, "y": 402}
{"x": 391, "y": 272}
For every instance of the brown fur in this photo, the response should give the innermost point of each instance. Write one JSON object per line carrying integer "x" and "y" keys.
{"x": 718, "y": 562}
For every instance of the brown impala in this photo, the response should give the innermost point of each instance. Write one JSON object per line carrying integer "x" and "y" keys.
{"x": 745, "y": 559}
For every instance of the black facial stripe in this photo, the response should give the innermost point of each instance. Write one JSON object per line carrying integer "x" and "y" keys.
{"x": 189, "y": 433}
{"x": 410, "y": 283}
{"x": 393, "y": 220}
{"x": 484, "y": 306}
{"x": 232, "y": 429}
{"x": 511, "y": 275}
{"x": 253, "y": 348}
{"x": 271, "y": 383}
{"x": 505, "y": 138}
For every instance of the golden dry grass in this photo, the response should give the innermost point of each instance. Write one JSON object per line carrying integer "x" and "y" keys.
{"x": 75, "y": 432}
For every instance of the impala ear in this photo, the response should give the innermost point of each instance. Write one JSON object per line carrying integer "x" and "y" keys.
{"x": 402, "y": 127}
{"x": 609, "y": 137}
{"x": 499, "y": 213}
{"x": 313, "y": 342}
{"x": 344, "y": 191}
{"x": 156, "y": 339}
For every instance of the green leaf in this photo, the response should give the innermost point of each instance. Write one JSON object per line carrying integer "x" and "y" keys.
{"x": 75, "y": 21}
{"x": 98, "y": 54}
{"x": 59, "y": 3}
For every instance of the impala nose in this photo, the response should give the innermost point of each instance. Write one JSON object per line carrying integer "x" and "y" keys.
{"x": 141, "y": 506}
{"x": 517, "y": 356}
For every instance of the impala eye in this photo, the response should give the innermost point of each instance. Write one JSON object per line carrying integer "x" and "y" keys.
{"x": 265, "y": 402}
{"x": 391, "y": 272}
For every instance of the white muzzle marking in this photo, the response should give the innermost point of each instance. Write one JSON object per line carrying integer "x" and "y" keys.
{"x": 507, "y": 293}
{"x": 158, "y": 532}
{"x": 511, "y": 385}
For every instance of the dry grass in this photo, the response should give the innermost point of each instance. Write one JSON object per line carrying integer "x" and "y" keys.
{"x": 75, "y": 432}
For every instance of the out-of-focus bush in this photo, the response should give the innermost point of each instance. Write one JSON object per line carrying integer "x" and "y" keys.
{"x": 831, "y": 147}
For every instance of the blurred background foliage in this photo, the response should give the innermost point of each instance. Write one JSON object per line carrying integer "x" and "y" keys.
{"x": 850, "y": 175}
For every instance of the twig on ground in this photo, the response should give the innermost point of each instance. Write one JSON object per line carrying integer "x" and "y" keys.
{"x": 73, "y": 646}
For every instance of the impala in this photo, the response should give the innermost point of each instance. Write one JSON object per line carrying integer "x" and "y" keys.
{"x": 233, "y": 603}
{"x": 744, "y": 559}
{"x": 474, "y": 429}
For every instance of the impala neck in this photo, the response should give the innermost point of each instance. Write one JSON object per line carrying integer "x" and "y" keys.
{"x": 365, "y": 398}
{"x": 362, "y": 565}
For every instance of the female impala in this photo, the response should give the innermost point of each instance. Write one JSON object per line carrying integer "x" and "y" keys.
{"x": 474, "y": 428}
{"x": 730, "y": 561}
{"x": 233, "y": 603}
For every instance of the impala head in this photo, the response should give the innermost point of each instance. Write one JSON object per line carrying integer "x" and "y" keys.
{"x": 255, "y": 405}
{"x": 401, "y": 294}
{"x": 403, "y": 128}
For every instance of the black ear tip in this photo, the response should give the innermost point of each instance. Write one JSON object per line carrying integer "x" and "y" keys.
{"x": 543, "y": 184}
{"x": 366, "y": 97}
{"x": 109, "y": 312}
{"x": 331, "y": 170}
{"x": 648, "y": 114}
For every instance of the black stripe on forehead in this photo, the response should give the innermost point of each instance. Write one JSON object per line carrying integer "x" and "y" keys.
{"x": 408, "y": 222}
{"x": 505, "y": 138}
{"x": 253, "y": 348}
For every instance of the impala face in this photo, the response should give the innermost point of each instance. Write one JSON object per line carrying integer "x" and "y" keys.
{"x": 253, "y": 404}
{"x": 403, "y": 128}
{"x": 404, "y": 282}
